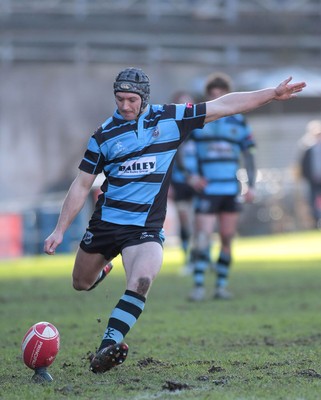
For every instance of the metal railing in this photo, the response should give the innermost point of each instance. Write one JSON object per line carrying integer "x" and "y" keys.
{"x": 228, "y": 9}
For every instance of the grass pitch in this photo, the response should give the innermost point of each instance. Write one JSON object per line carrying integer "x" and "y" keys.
{"x": 264, "y": 344}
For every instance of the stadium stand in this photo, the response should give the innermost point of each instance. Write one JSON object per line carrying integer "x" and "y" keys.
{"x": 57, "y": 57}
{"x": 232, "y": 31}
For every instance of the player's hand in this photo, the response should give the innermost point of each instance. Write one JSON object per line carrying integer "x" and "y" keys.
{"x": 285, "y": 90}
{"x": 197, "y": 182}
{"x": 52, "y": 242}
{"x": 249, "y": 195}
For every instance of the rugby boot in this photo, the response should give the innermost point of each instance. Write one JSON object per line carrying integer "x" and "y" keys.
{"x": 108, "y": 358}
{"x": 197, "y": 294}
{"x": 222, "y": 293}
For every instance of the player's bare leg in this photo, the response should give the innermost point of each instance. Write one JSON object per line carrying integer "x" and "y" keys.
{"x": 227, "y": 228}
{"x": 204, "y": 226}
{"x": 185, "y": 216}
{"x": 142, "y": 264}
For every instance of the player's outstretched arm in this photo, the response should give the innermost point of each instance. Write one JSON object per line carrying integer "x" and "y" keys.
{"x": 72, "y": 204}
{"x": 242, "y": 102}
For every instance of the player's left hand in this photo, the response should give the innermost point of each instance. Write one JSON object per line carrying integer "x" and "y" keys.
{"x": 285, "y": 90}
{"x": 197, "y": 182}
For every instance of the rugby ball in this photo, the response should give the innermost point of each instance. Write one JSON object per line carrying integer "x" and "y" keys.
{"x": 40, "y": 345}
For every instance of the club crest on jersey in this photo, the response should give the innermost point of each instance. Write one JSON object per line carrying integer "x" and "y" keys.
{"x": 117, "y": 148}
{"x": 156, "y": 132}
{"x": 142, "y": 166}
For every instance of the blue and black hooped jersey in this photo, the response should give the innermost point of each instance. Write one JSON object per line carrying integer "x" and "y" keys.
{"x": 219, "y": 146}
{"x": 136, "y": 158}
{"x": 187, "y": 162}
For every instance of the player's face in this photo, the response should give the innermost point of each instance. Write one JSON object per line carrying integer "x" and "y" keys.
{"x": 128, "y": 105}
{"x": 215, "y": 93}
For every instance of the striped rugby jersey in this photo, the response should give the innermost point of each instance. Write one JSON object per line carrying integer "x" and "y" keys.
{"x": 136, "y": 158}
{"x": 188, "y": 162}
{"x": 219, "y": 146}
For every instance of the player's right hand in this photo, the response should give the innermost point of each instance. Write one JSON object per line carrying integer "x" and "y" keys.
{"x": 52, "y": 242}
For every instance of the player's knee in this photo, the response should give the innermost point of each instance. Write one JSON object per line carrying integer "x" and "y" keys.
{"x": 77, "y": 286}
{"x": 202, "y": 240}
{"x": 80, "y": 285}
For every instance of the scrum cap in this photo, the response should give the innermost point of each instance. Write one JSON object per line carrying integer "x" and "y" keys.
{"x": 133, "y": 80}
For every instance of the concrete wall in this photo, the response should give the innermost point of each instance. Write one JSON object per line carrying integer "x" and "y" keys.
{"x": 48, "y": 111}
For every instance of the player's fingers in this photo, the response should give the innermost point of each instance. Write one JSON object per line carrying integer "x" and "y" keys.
{"x": 289, "y": 79}
{"x": 299, "y": 87}
{"x": 51, "y": 251}
{"x": 50, "y": 247}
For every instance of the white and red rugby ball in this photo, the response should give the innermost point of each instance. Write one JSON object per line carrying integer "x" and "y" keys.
{"x": 40, "y": 345}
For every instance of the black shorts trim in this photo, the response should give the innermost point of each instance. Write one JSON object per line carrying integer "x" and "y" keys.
{"x": 215, "y": 204}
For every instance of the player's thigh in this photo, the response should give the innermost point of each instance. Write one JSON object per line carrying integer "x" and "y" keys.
{"x": 185, "y": 212}
{"x": 142, "y": 261}
{"x": 87, "y": 267}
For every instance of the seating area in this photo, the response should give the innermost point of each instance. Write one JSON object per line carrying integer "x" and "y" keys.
{"x": 170, "y": 31}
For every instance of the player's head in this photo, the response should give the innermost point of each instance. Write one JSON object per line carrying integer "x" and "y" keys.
{"x": 314, "y": 127}
{"x": 133, "y": 80}
{"x": 217, "y": 84}
{"x": 182, "y": 97}
{"x": 313, "y": 130}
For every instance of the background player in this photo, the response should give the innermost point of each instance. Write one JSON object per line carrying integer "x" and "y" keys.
{"x": 219, "y": 145}
{"x": 310, "y": 163}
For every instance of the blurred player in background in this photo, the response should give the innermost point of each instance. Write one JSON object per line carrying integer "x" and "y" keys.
{"x": 220, "y": 146}
{"x": 311, "y": 168}
{"x": 180, "y": 191}
{"x": 135, "y": 149}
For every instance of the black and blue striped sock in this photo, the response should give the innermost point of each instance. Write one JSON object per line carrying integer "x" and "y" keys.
{"x": 123, "y": 318}
{"x": 201, "y": 261}
{"x": 223, "y": 269}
